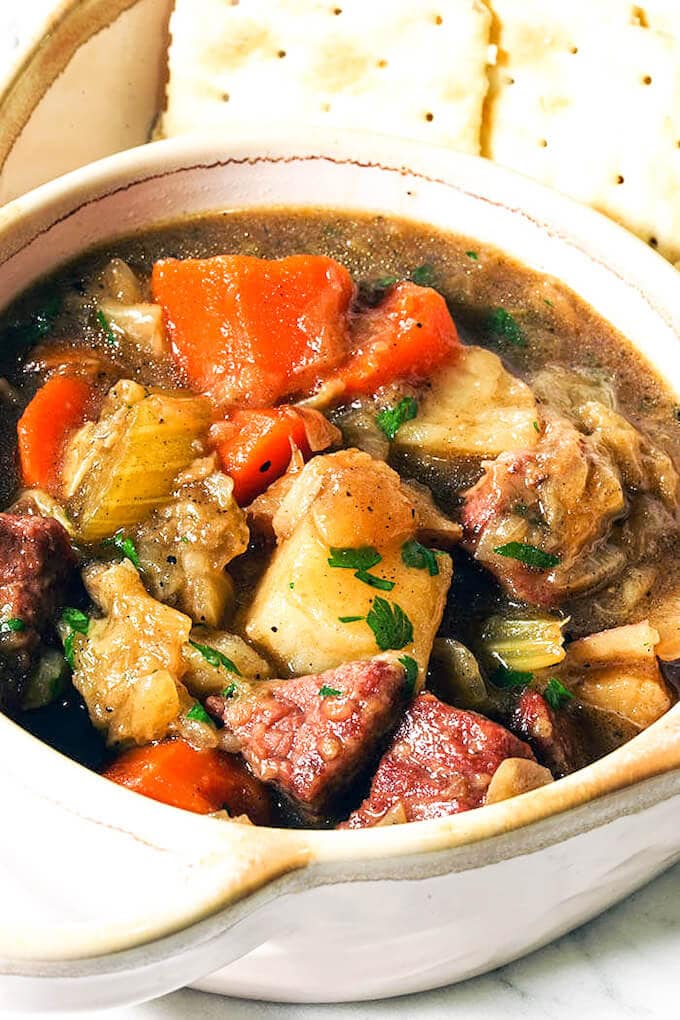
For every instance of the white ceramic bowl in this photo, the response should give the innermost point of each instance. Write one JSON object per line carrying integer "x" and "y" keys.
{"x": 111, "y": 898}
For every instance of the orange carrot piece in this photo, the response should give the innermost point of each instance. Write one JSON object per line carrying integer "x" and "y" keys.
{"x": 252, "y": 331}
{"x": 406, "y": 336}
{"x": 59, "y": 407}
{"x": 200, "y": 781}
{"x": 255, "y": 447}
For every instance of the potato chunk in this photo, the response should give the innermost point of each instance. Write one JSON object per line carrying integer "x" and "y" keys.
{"x": 129, "y": 665}
{"x": 515, "y": 776}
{"x": 473, "y": 408}
{"x": 118, "y": 469}
{"x": 344, "y": 500}
{"x": 617, "y": 671}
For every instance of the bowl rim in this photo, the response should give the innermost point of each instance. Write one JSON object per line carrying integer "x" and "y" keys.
{"x": 655, "y": 751}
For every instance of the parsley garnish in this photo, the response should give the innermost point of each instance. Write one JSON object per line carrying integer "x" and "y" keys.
{"x": 229, "y": 691}
{"x": 350, "y": 619}
{"x": 362, "y": 558}
{"x": 183, "y": 538}
{"x": 419, "y": 556}
{"x": 502, "y": 325}
{"x": 291, "y": 585}
{"x": 329, "y": 692}
{"x": 528, "y": 554}
{"x": 390, "y": 625}
{"x": 556, "y": 694}
{"x": 423, "y": 275}
{"x": 198, "y": 713}
{"x": 390, "y": 419}
{"x": 472, "y": 255}
{"x": 537, "y": 427}
{"x": 411, "y": 669}
{"x": 39, "y": 324}
{"x": 125, "y": 546}
{"x": 386, "y": 281}
{"x": 504, "y": 677}
{"x": 13, "y": 624}
{"x": 215, "y": 658}
{"x": 106, "y": 327}
{"x": 76, "y": 621}
{"x": 381, "y": 583}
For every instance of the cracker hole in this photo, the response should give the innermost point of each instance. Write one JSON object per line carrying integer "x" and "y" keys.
{"x": 438, "y": 20}
{"x": 281, "y": 54}
{"x": 510, "y": 81}
{"x": 619, "y": 179}
{"x": 647, "y": 80}
{"x": 639, "y": 17}
{"x": 654, "y": 242}
{"x": 543, "y": 142}
{"x": 381, "y": 63}
{"x": 337, "y": 10}
{"x": 574, "y": 50}
{"x": 225, "y": 97}
{"x": 429, "y": 117}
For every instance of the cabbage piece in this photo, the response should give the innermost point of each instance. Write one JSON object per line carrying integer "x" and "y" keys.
{"x": 141, "y": 324}
{"x": 473, "y": 408}
{"x": 523, "y": 643}
{"x": 118, "y": 469}
{"x": 617, "y": 671}
{"x": 185, "y": 545}
{"x": 455, "y": 676}
{"x": 129, "y": 665}
{"x": 208, "y": 673}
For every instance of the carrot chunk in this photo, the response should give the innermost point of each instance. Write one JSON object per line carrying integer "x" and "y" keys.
{"x": 199, "y": 781}
{"x": 59, "y": 407}
{"x": 406, "y": 336}
{"x": 255, "y": 447}
{"x": 252, "y": 331}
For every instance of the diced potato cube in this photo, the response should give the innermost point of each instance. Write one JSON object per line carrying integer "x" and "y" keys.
{"x": 515, "y": 776}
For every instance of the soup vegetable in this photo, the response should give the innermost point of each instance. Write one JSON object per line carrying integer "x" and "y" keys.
{"x": 330, "y": 520}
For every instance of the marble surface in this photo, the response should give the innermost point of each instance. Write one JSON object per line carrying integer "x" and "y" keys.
{"x": 623, "y": 964}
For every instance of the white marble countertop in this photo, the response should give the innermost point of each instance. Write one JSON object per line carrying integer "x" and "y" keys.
{"x": 623, "y": 964}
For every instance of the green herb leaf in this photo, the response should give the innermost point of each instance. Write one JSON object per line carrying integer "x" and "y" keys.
{"x": 472, "y": 255}
{"x": 390, "y": 624}
{"x": 229, "y": 691}
{"x": 381, "y": 583}
{"x": 183, "y": 538}
{"x": 556, "y": 694}
{"x": 528, "y": 554}
{"x": 329, "y": 692}
{"x": 419, "y": 556}
{"x": 390, "y": 419}
{"x": 350, "y": 619}
{"x": 39, "y": 324}
{"x": 199, "y": 714}
{"x": 411, "y": 667}
{"x": 125, "y": 546}
{"x": 106, "y": 326}
{"x": 215, "y": 658}
{"x": 537, "y": 427}
{"x": 291, "y": 585}
{"x": 503, "y": 326}
{"x": 13, "y": 624}
{"x": 68, "y": 649}
{"x": 361, "y": 558}
{"x": 386, "y": 281}
{"x": 504, "y": 677}
{"x": 423, "y": 275}
{"x": 76, "y": 619}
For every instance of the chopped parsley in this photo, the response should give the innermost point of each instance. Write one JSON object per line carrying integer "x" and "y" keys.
{"x": 381, "y": 583}
{"x": 291, "y": 585}
{"x": 411, "y": 669}
{"x": 39, "y": 325}
{"x": 423, "y": 275}
{"x": 106, "y": 327}
{"x": 350, "y": 619}
{"x": 390, "y": 419}
{"x": 230, "y": 690}
{"x": 386, "y": 281}
{"x": 329, "y": 692}
{"x": 537, "y": 427}
{"x": 472, "y": 255}
{"x": 390, "y": 625}
{"x": 199, "y": 714}
{"x": 528, "y": 554}
{"x": 215, "y": 658}
{"x": 504, "y": 677}
{"x": 125, "y": 546}
{"x": 556, "y": 694}
{"x": 76, "y": 619}
{"x": 12, "y": 625}
{"x": 503, "y": 326}
{"x": 183, "y": 538}
{"x": 419, "y": 556}
{"x": 362, "y": 558}
{"x": 68, "y": 649}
